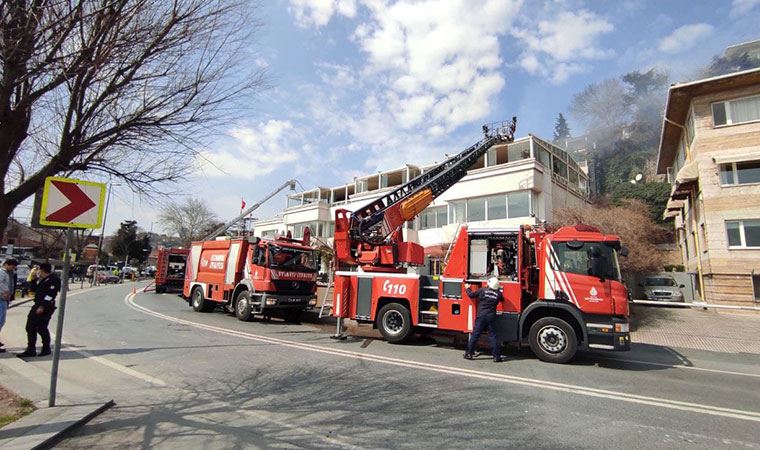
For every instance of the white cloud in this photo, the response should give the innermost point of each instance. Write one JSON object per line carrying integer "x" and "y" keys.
{"x": 556, "y": 48}
{"x": 430, "y": 66}
{"x": 684, "y": 38}
{"x": 253, "y": 151}
{"x": 742, "y": 7}
{"x": 319, "y": 12}
{"x": 338, "y": 75}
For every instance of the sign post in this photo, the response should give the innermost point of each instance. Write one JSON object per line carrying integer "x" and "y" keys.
{"x": 61, "y": 311}
{"x": 67, "y": 203}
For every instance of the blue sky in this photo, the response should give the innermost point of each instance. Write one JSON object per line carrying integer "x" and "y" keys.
{"x": 363, "y": 85}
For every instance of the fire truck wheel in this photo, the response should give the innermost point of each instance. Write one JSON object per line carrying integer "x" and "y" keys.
{"x": 553, "y": 340}
{"x": 159, "y": 289}
{"x": 199, "y": 303}
{"x": 243, "y": 306}
{"x": 394, "y": 323}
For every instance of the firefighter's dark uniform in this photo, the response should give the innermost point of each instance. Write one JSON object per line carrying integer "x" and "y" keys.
{"x": 45, "y": 291}
{"x": 486, "y": 319}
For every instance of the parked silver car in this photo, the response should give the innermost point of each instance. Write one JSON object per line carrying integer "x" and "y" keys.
{"x": 662, "y": 289}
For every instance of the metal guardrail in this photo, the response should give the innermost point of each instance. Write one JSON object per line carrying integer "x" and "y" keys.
{"x": 702, "y": 305}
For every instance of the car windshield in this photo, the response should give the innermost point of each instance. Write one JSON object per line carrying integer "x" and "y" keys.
{"x": 660, "y": 281}
{"x": 575, "y": 257}
{"x": 291, "y": 258}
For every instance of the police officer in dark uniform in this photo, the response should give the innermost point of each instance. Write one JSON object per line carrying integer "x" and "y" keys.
{"x": 487, "y": 298}
{"x": 46, "y": 288}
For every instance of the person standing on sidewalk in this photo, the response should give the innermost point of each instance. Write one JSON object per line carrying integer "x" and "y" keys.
{"x": 46, "y": 288}
{"x": 7, "y": 290}
{"x": 487, "y": 298}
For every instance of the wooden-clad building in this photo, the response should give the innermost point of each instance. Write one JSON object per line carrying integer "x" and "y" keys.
{"x": 710, "y": 150}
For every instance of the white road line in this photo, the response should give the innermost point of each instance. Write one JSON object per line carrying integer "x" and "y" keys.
{"x": 116, "y": 366}
{"x": 541, "y": 384}
{"x": 676, "y": 366}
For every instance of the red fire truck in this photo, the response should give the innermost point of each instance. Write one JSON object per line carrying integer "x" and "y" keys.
{"x": 170, "y": 269}
{"x": 271, "y": 277}
{"x": 562, "y": 289}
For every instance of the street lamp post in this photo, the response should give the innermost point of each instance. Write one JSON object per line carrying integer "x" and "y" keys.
{"x": 102, "y": 233}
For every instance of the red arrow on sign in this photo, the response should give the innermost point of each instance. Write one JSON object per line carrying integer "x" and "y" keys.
{"x": 79, "y": 203}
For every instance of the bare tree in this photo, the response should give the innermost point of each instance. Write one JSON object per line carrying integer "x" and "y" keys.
{"x": 122, "y": 88}
{"x": 190, "y": 220}
{"x": 633, "y": 223}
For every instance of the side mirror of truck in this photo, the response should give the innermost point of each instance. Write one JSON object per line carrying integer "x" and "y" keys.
{"x": 624, "y": 252}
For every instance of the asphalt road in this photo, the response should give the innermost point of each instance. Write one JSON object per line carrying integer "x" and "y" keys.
{"x": 190, "y": 380}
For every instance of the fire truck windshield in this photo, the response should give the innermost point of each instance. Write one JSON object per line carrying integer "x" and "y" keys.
{"x": 291, "y": 258}
{"x": 578, "y": 257}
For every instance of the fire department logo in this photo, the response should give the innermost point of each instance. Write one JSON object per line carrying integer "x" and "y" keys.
{"x": 593, "y": 297}
{"x": 296, "y": 284}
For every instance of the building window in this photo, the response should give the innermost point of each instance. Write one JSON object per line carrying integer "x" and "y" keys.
{"x": 269, "y": 234}
{"x": 740, "y": 173}
{"x": 433, "y": 218}
{"x": 518, "y": 151}
{"x": 737, "y": 111}
{"x": 544, "y": 156}
{"x": 690, "y": 129}
{"x": 518, "y": 204}
{"x": 456, "y": 211}
{"x": 680, "y": 158}
{"x": 743, "y": 233}
{"x": 497, "y": 207}
{"x": 476, "y": 209}
{"x": 560, "y": 167}
{"x": 756, "y": 286}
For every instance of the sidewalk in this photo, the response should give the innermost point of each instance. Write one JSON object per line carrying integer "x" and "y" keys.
{"x": 31, "y": 379}
{"x": 711, "y": 330}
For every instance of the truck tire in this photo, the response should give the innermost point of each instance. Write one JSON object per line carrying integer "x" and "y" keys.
{"x": 160, "y": 289}
{"x": 199, "y": 303}
{"x": 394, "y": 323}
{"x": 553, "y": 340}
{"x": 243, "y": 307}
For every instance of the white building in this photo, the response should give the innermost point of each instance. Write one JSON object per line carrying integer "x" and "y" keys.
{"x": 519, "y": 183}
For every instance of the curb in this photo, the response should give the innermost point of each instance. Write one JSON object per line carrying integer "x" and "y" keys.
{"x": 46, "y": 427}
{"x": 19, "y": 303}
{"x": 696, "y": 305}
{"x": 57, "y": 437}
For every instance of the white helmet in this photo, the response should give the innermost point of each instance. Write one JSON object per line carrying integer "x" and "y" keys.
{"x": 493, "y": 283}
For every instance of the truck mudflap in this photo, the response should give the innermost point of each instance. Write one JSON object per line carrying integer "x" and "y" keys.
{"x": 612, "y": 333}
{"x": 276, "y": 301}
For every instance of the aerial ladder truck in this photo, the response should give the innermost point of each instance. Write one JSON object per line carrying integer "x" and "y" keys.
{"x": 562, "y": 288}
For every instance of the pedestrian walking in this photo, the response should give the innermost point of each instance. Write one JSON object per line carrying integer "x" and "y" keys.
{"x": 7, "y": 290}
{"x": 487, "y": 298}
{"x": 46, "y": 288}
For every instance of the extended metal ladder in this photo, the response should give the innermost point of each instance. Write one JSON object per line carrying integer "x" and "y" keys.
{"x": 325, "y": 305}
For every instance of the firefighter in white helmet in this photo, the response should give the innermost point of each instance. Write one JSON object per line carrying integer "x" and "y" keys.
{"x": 487, "y": 299}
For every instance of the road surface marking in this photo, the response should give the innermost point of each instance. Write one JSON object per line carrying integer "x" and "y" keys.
{"x": 503, "y": 378}
{"x": 676, "y": 366}
{"x": 116, "y": 366}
